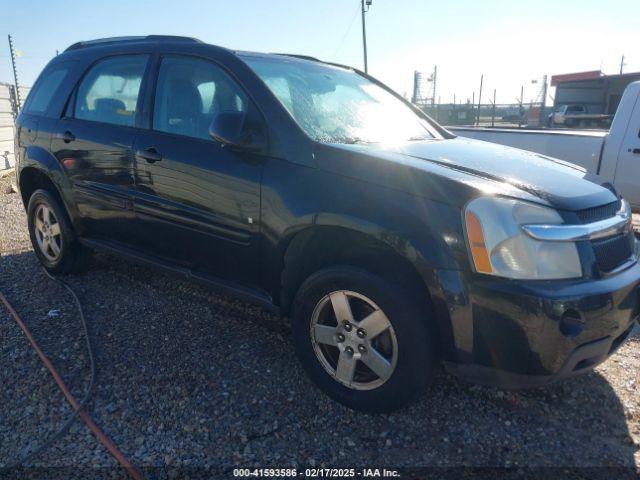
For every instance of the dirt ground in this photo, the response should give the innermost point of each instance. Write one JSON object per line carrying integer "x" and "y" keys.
{"x": 191, "y": 378}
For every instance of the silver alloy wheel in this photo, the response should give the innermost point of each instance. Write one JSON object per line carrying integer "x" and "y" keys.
{"x": 47, "y": 230}
{"x": 354, "y": 340}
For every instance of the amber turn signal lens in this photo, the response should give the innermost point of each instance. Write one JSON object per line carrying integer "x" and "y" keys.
{"x": 476, "y": 243}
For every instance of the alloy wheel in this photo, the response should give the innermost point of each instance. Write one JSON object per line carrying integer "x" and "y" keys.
{"x": 48, "y": 235}
{"x": 354, "y": 340}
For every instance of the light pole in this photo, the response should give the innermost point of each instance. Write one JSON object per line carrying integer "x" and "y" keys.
{"x": 364, "y": 32}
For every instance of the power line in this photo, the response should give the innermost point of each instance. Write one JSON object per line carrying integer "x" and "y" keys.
{"x": 28, "y": 57}
{"x": 346, "y": 34}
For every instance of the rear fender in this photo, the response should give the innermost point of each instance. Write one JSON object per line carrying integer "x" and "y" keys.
{"x": 38, "y": 158}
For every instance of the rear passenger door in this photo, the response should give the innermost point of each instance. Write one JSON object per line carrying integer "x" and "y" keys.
{"x": 94, "y": 142}
{"x": 198, "y": 201}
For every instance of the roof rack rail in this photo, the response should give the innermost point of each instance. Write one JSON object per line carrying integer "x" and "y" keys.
{"x": 132, "y": 38}
{"x": 303, "y": 57}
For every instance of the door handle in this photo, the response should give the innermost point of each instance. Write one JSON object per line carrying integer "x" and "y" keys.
{"x": 151, "y": 155}
{"x": 66, "y": 137}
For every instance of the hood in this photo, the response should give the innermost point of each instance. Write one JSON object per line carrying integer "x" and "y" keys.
{"x": 434, "y": 168}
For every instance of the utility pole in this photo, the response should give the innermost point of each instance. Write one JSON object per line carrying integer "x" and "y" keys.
{"x": 15, "y": 71}
{"x": 473, "y": 107}
{"x": 622, "y": 64}
{"x": 544, "y": 100}
{"x": 479, "y": 100}
{"x": 493, "y": 111}
{"x": 521, "y": 109}
{"x": 433, "y": 79}
{"x": 416, "y": 81}
{"x": 364, "y": 32}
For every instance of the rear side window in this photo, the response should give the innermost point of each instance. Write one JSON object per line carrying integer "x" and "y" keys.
{"x": 109, "y": 91}
{"x": 42, "y": 93}
{"x": 191, "y": 93}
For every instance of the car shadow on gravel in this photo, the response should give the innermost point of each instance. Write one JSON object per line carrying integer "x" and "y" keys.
{"x": 188, "y": 377}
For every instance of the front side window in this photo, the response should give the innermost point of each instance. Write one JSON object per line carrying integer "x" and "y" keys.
{"x": 191, "y": 93}
{"x": 337, "y": 105}
{"x": 42, "y": 94}
{"x": 109, "y": 92}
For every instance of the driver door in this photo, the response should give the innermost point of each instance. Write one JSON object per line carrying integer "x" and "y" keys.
{"x": 198, "y": 201}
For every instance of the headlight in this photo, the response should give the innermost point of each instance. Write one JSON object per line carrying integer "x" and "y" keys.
{"x": 500, "y": 247}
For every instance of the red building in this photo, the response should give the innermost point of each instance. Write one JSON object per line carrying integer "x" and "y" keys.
{"x": 598, "y": 92}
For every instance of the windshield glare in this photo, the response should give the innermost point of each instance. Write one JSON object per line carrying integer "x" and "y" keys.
{"x": 336, "y": 105}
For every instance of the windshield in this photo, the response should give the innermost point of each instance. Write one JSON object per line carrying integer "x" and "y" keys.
{"x": 336, "y": 105}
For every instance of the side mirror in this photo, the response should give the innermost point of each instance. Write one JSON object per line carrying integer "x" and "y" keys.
{"x": 234, "y": 129}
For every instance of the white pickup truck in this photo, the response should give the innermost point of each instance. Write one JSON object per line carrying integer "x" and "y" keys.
{"x": 577, "y": 116}
{"x": 614, "y": 155}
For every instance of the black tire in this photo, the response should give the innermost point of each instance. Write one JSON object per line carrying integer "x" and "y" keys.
{"x": 73, "y": 257}
{"x": 410, "y": 319}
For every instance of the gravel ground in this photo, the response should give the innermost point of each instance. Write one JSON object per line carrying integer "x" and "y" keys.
{"x": 191, "y": 378}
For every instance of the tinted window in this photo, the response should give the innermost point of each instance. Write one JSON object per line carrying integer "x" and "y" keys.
{"x": 191, "y": 93}
{"x": 41, "y": 95}
{"x": 109, "y": 92}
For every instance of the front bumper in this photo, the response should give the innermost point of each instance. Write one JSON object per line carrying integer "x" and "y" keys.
{"x": 517, "y": 334}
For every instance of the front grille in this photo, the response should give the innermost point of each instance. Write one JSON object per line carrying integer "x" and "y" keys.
{"x": 613, "y": 251}
{"x": 602, "y": 212}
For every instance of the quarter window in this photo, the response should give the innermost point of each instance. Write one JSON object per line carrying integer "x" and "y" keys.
{"x": 109, "y": 92}
{"x": 191, "y": 93}
{"x": 42, "y": 94}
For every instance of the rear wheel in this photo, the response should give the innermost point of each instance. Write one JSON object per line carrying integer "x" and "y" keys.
{"x": 52, "y": 237}
{"x": 364, "y": 341}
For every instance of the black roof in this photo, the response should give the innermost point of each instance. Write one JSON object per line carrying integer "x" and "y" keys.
{"x": 101, "y": 42}
{"x": 130, "y": 39}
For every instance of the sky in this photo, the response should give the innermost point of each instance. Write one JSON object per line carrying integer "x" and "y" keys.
{"x": 511, "y": 42}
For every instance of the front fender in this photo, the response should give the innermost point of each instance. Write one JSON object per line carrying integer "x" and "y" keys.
{"x": 418, "y": 255}
{"x": 437, "y": 243}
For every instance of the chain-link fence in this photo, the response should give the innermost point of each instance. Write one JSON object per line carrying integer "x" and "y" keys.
{"x": 8, "y": 113}
{"x": 499, "y": 115}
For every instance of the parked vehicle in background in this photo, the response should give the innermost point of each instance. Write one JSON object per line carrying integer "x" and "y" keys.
{"x": 577, "y": 116}
{"x": 613, "y": 155}
{"x": 314, "y": 190}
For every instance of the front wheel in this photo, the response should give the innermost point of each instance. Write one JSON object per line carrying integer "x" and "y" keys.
{"x": 364, "y": 341}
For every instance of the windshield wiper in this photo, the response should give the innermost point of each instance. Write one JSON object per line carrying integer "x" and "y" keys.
{"x": 348, "y": 141}
{"x": 417, "y": 138}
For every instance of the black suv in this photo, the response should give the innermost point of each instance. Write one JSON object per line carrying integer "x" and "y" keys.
{"x": 316, "y": 191}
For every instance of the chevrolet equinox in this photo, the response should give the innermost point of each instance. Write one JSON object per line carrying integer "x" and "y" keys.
{"x": 314, "y": 190}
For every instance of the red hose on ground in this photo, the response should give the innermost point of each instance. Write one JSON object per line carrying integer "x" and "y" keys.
{"x": 109, "y": 445}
